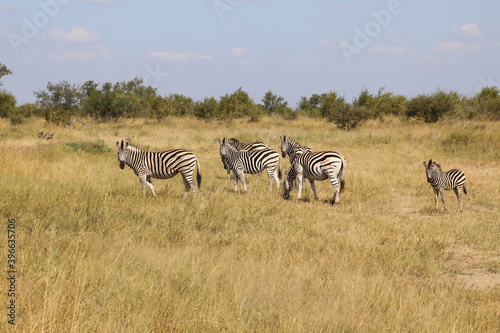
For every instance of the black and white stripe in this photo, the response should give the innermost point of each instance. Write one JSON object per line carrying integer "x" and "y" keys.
{"x": 160, "y": 165}
{"x": 441, "y": 181}
{"x": 316, "y": 166}
{"x": 252, "y": 162}
{"x": 289, "y": 146}
{"x": 242, "y": 146}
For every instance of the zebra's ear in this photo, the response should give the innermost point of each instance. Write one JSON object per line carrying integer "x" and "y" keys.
{"x": 118, "y": 144}
{"x": 126, "y": 144}
{"x": 430, "y": 162}
{"x": 425, "y": 164}
{"x": 219, "y": 141}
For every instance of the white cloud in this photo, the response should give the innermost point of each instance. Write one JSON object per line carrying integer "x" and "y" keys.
{"x": 179, "y": 56}
{"x": 6, "y": 8}
{"x": 456, "y": 47}
{"x": 3, "y": 32}
{"x": 237, "y": 52}
{"x": 328, "y": 44}
{"x": 393, "y": 51}
{"x": 468, "y": 31}
{"x": 98, "y": 51}
{"x": 76, "y": 34}
{"x": 440, "y": 61}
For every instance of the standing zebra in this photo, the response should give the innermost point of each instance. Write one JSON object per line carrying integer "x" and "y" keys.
{"x": 250, "y": 162}
{"x": 288, "y": 146}
{"x": 440, "y": 181}
{"x": 242, "y": 146}
{"x": 316, "y": 166}
{"x": 160, "y": 165}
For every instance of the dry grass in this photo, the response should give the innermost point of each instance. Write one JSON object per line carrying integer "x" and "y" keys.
{"x": 95, "y": 255}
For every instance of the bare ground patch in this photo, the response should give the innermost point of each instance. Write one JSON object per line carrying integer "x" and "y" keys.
{"x": 474, "y": 268}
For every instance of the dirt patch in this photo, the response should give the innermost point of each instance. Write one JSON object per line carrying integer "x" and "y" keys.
{"x": 474, "y": 269}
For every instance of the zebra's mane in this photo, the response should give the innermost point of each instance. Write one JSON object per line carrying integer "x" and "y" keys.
{"x": 434, "y": 162}
{"x": 133, "y": 148}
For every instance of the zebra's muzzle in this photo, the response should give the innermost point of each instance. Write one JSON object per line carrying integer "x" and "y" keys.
{"x": 283, "y": 154}
{"x": 122, "y": 165}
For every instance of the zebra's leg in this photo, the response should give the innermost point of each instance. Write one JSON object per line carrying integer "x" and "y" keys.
{"x": 241, "y": 176}
{"x": 150, "y": 185}
{"x": 242, "y": 179}
{"x": 189, "y": 183}
{"x": 336, "y": 187}
{"x": 458, "y": 192}
{"x": 436, "y": 195}
{"x": 313, "y": 187}
{"x": 441, "y": 191}
{"x": 187, "y": 186}
{"x": 300, "y": 178}
{"x": 273, "y": 177}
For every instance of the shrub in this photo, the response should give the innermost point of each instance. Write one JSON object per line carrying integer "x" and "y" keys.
{"x": 7, "y": 104}
{"x": 206, "y": 109}
{"x": 88, "y": 147}
{"x": 431, "y": 108}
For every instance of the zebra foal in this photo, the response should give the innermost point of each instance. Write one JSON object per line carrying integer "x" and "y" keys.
{"x": 160, "y": 165}
{"x": 289, "y": 146}
{"x": 440, "y": 181}
{"x": 316, "y": 166}
{"x": 252, "y": 162}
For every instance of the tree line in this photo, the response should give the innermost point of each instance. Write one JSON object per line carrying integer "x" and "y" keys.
{"x": 63, "y": 101}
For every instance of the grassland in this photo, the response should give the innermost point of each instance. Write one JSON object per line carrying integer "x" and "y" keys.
{"x": 93, "y": 254}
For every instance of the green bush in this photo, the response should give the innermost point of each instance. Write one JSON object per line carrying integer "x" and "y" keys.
{"x": 89, "y": 147}
{"x": 7, "y": 104}
{"x": 17, "y": 119}
{"x": 431, "y": 108}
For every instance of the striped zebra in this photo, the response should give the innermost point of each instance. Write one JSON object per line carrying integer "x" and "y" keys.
{"x": 441, "y": 181}
{"x": 288, "y": 147}
{"x": 251, "y": 162}
{"x": 242, "y": 146}
{"x": 316, "y": 166}
{"x": 46, "y": 136}
{"x": 160, "y": 165}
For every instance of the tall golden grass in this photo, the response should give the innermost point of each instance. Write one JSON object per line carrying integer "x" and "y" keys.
{"x": 94, "y": 254}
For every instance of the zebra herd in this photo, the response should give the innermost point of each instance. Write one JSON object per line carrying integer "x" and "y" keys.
{"x": 255, "y": 157}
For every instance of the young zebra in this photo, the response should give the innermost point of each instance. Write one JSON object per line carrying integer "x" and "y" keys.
{"x": 440, "y": 181}
{"x": 242, "y": 146}
{"x": 288, "y": 146}
{"x": 160, "y": 165}
{"x": 250, "y": 162}
{"x": 316, "y": 166}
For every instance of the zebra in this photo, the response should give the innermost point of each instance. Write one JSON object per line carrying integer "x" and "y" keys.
{"x": 251, "y": 162}
{"x": 242, "y": 146}
{"x": 160, "y": 165}
{"x": 46, "y": 136}
{"x": 450, "y": 180}
{"x": 316, "y": 166}
{"x": 288, "y": 146}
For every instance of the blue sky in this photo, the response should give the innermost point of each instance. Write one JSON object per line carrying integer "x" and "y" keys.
{"x": 203, "y": 48}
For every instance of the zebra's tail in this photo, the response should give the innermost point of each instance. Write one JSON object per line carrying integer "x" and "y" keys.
{"x": 465, "y": 190}
{"x": 198, "y": 172}
{"x": 341, "y": 176}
